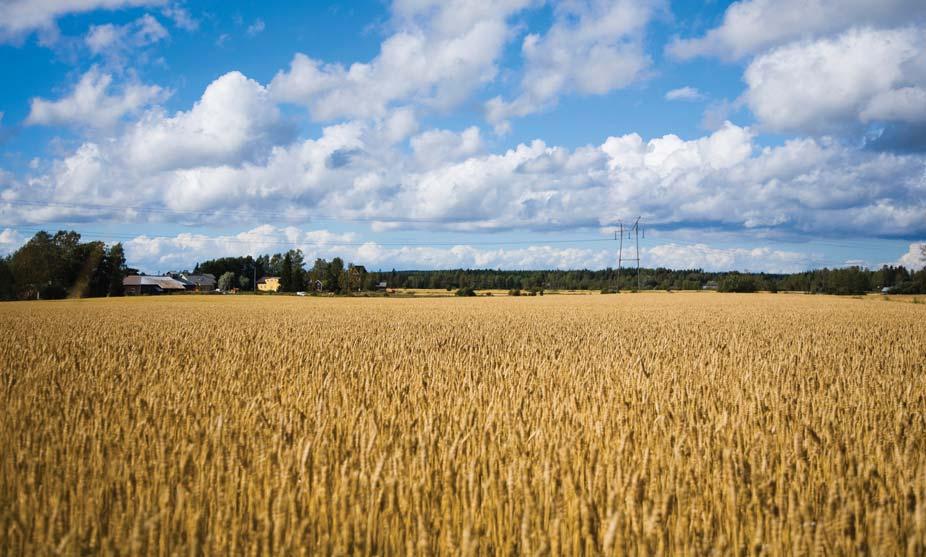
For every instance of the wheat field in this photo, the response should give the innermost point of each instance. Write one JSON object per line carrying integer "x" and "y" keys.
{"x": 632, "y": 424}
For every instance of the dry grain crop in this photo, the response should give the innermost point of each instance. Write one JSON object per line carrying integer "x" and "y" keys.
{"x": 632, "y": 424}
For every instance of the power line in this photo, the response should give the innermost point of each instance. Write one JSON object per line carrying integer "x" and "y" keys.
{"x": 273, "y": 240}
{"x": 146, "y": 209}
{"x": 844, "y": 243}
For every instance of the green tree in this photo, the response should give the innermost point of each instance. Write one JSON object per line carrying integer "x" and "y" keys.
{"x": 286, "y": 273}
{"x": 227, "y": 281}
{"x": 334, "y": 281}
{"x": 275, "y": 265}
{"x": 92, "y": 276}
{"x": 35, "y": 266}
{"x": 117, "y": 270}
{"x": 7, "y": 283}
{"x": 296, "y": 270}
{"x": 319, "y": 272}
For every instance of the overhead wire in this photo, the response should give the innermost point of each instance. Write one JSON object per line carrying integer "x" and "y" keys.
{"x": 252, "y": 239}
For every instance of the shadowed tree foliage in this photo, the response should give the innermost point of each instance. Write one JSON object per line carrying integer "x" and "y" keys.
{"x": 286, "y": 274}
{"x": 60, "y": 265}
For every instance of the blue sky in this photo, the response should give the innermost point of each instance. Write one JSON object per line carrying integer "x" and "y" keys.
{"x": 427, "y": 134}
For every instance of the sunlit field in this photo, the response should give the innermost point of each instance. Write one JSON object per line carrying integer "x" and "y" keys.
{"x": 642, "y": 424}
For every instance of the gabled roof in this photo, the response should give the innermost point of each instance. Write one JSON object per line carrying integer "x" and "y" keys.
{"x": 182, "y": 280}
{"x": 262, "y": 280}
{"x": 201, "y": 280}
{"x": 164, "y": 283}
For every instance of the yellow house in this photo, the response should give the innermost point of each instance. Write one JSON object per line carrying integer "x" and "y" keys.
{"x": 268, "y": 284}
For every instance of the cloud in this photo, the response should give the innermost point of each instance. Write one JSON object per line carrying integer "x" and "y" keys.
{"x": 684, "y": 94}
{"x": 915, "y": 258}
{"x": 592, "y": 48}
{"x": 438, "y": 55}
{"x": 19, "y": 18}
{"x": 181, "y": 17}
{"x": 701, "y": 256}
{"x": 256, "y": 28}
{"x": 439, "y": 147}
{"x": 399, "y": 124}
{"x": 162, "y": 158}
{"x": 906, "y": 104}
{"x": 185, "y": 250}
{"x": 752, "y": 26}
{"x": 235, "y": 120}
{"x": 116, "y": 41}
{"x": 232, "y": 158}
{"x": 857, "y": 77}
{"x": 10, "y": 241}
{"x": 898, "y": 138}
{"x": 91, "y": 105}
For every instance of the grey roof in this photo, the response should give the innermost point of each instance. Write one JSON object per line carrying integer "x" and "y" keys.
{"x": 182, "y": 280}
{"x": 201, "y": 280}
{"x": 164, "y": 283}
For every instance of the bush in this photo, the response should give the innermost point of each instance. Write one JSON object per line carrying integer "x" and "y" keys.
{"x": 466, "y": 291}
{"x": 514, "y": 292}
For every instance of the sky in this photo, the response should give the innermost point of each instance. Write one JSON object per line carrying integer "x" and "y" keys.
{"x": 756, "y": 135}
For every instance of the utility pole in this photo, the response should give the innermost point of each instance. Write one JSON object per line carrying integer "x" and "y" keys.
{"x": 636, "y": 231}
{"x": 636, "y": 228}
{"x": 620, "y": 253}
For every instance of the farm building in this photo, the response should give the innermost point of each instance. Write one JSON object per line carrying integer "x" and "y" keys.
{"x": 268, "y": 284}
{"x": 195, "y": 283}
{"x": 201, "y": 283}
{"x": 142, "y": 284}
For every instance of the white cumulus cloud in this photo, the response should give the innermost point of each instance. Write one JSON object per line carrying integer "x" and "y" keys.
{"x": 915, "y": 258}
{"x": 21, "y": 17}
{"x": 91, "y": 105}
{"x": 684, "y": 94}
{"x": 702, "y": 256}
{"x": 825, "y": 85}
{"x": 233, "y": 121}
{"x": 752, "y": 26}
{"x": 116, "y": 40}
{"x": 228, "y": 158}
{"x": 10, "y": 241}
{"x": 593, "y": 47}
{"x": 185, "y": 250}
{"x": 439, "y": 54}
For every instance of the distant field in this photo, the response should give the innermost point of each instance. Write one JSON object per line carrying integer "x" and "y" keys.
{"x": 441, "y": 292}
{"x": 652, "y": 423}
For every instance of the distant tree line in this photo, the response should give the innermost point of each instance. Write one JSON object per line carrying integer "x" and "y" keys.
{"x": 59, "y": 265}
{"x": 849, "y": 280}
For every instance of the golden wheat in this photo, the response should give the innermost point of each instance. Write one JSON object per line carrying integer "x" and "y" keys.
{"x": 632, "y": 424}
